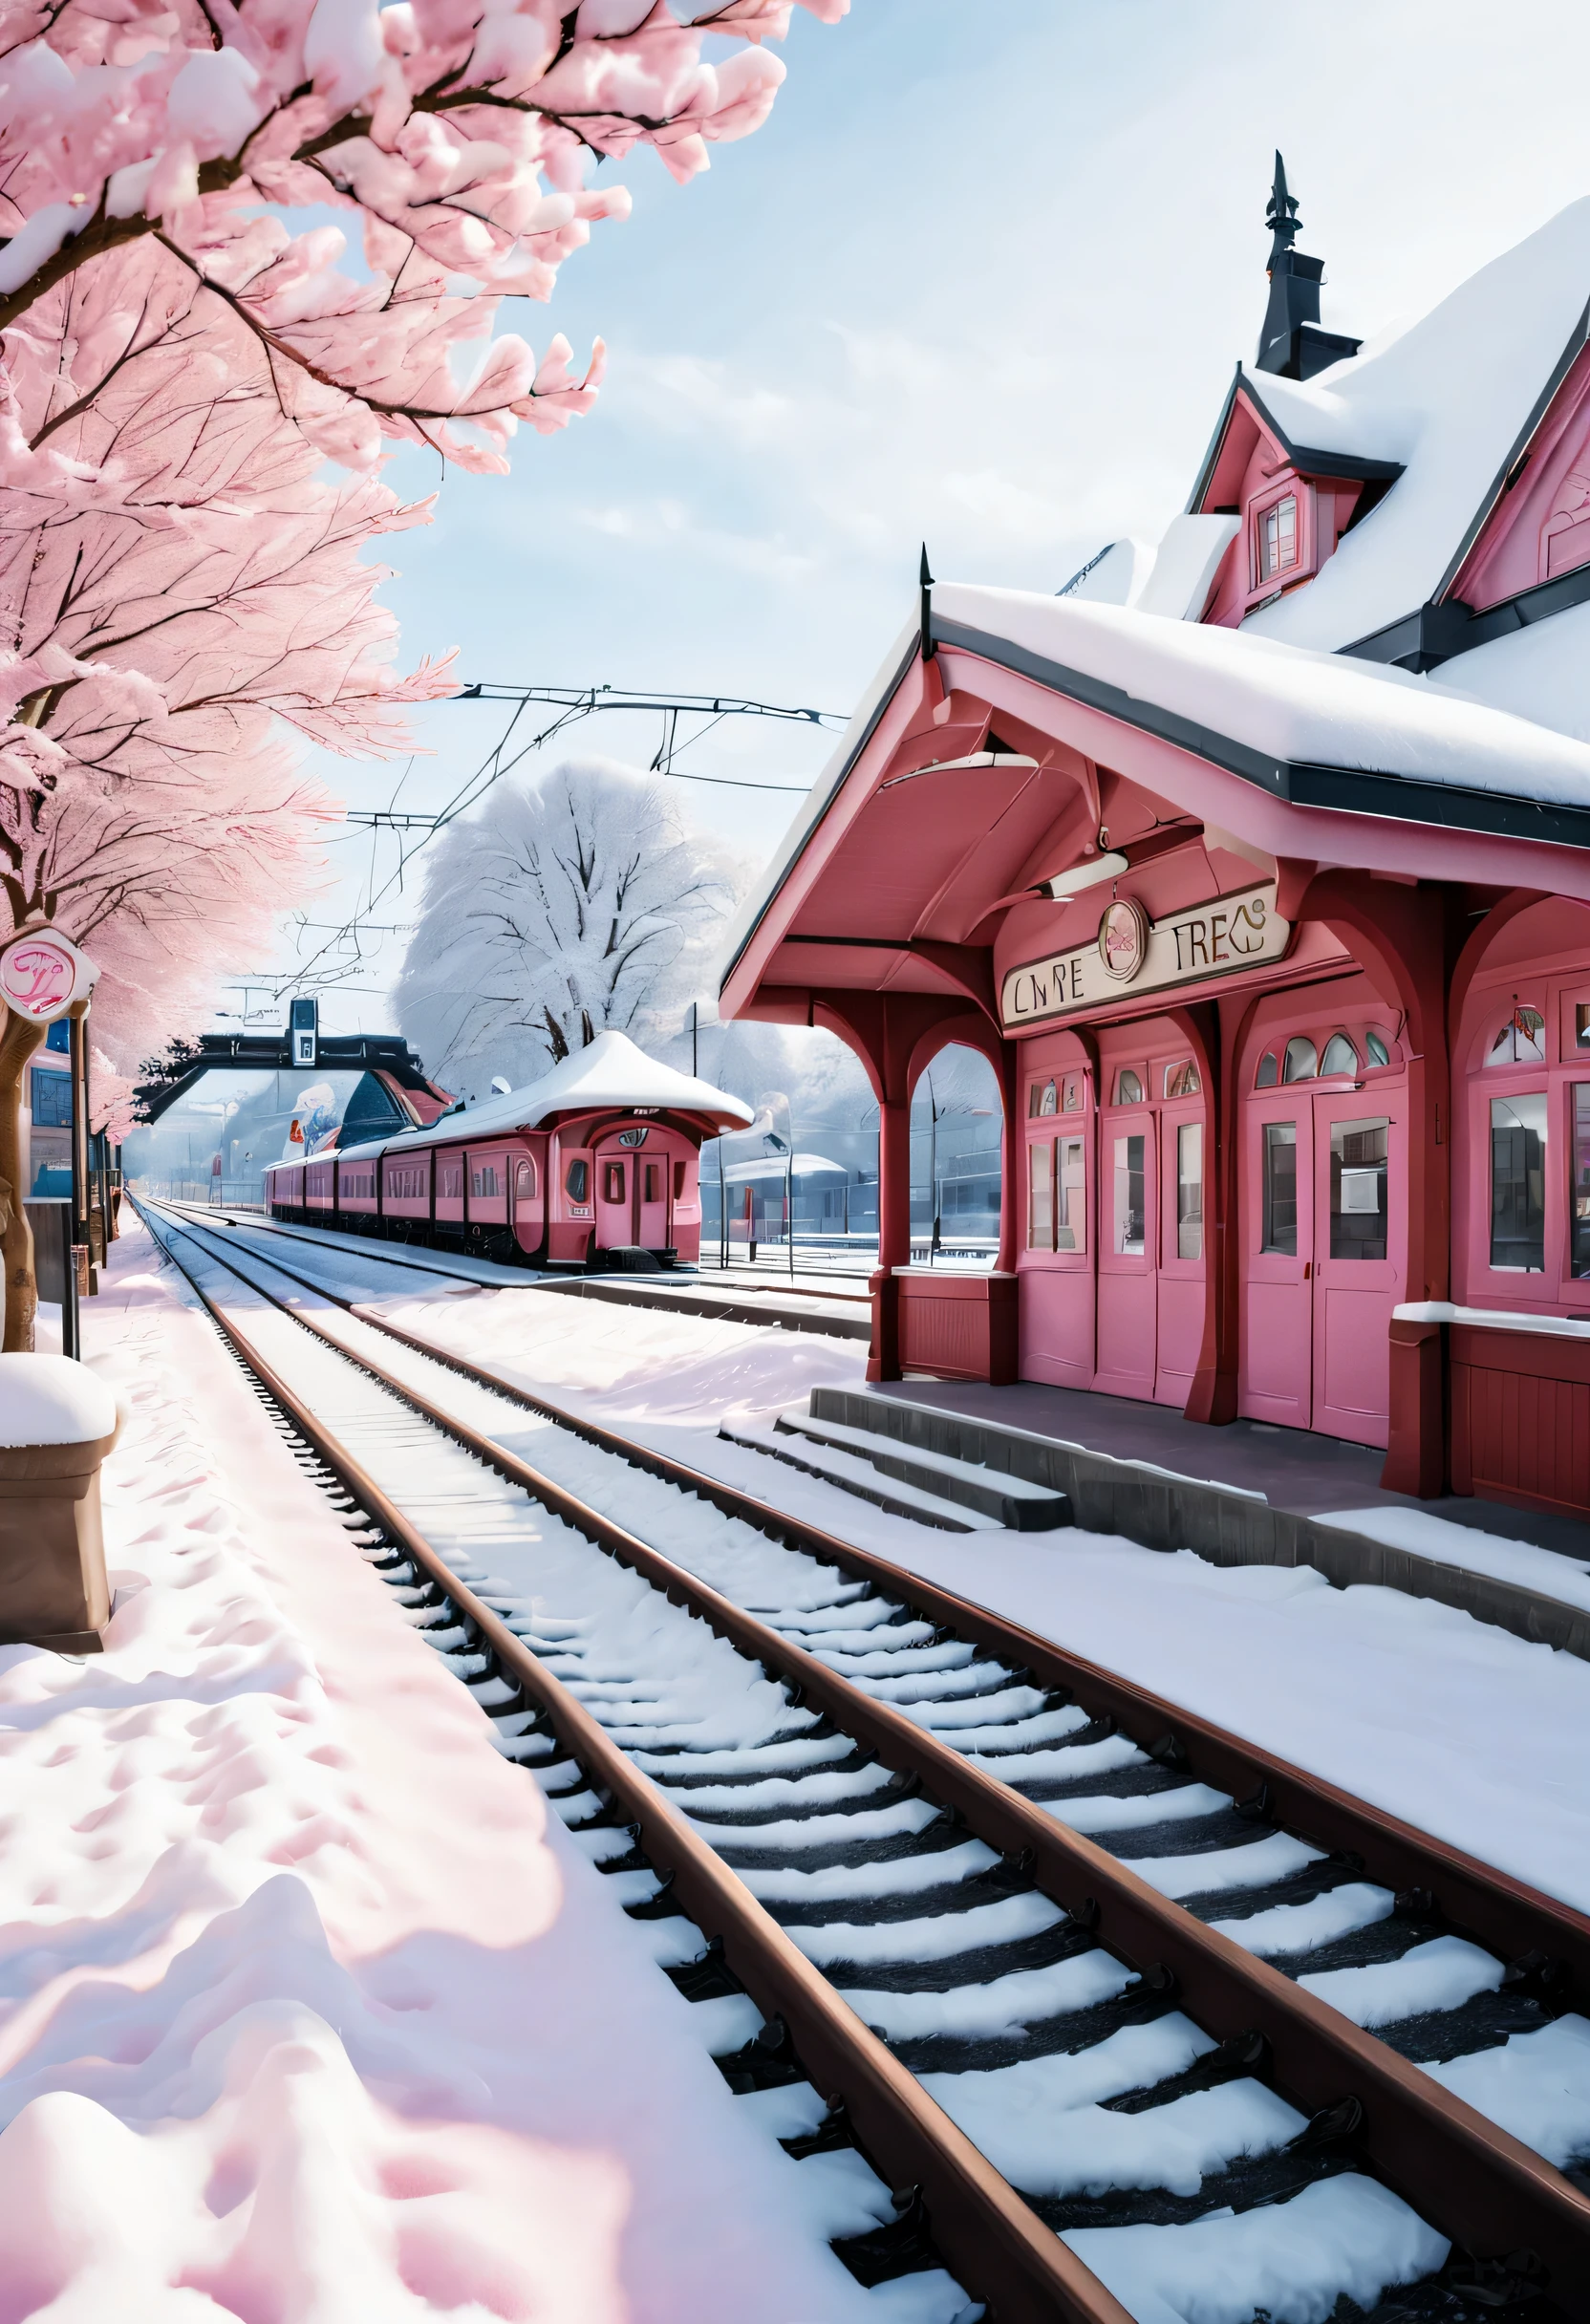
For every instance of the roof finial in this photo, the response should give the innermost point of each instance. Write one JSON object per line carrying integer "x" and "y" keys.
{"x": 1281, "y": 215}
{"x": 1292, "y": 344}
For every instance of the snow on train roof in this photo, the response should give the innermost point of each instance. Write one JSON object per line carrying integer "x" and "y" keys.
{"x": 611, "y": 1071}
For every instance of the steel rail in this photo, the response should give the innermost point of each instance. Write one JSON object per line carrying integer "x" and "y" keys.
{"x": 983, "y": 2228}
{"x": 1505, "y": 1914}
{"x": 1490, "y": 2194}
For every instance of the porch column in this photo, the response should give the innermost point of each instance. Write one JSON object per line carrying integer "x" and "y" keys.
{"x": 883, "y": 1362}
{"x": 1010, "y": 1162}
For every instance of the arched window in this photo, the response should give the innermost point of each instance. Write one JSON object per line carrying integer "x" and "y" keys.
{"x": 1521, "y": 1041}
{"x": 1339, "y": 1057}
{"x": 1182, "y": 1081}
{"x": 1378, "y": 1046}
{"x": 1128, "y": 1088}
{"x": 1267, "y": 1075}
{"x": 526, "y": 1182}
{"x": 1303, "y": 1062}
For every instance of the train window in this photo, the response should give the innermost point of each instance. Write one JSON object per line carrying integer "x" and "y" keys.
{"x": 678, "y": 1181}
{"x": 527, "y": 1181}
{"x": 483, "y": 1181}
{"x": 452, "y": 1181}
{"x": 1339, "y": 1057}
{"x": 612, "y": 1182}
{"x": 654, "y": 1182}
{"x": 577, "y": 1181}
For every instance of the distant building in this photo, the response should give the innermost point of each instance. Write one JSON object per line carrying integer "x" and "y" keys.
{"x": 50, "y": 1113}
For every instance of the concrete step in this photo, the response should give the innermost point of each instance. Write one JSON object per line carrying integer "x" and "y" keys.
{"x": 1014, "y": 1502}
{"x": 852, "y": 1473}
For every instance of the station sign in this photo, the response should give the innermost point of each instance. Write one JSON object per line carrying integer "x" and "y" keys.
{"x": 43, "y": 972}
{"x": 1133, "y": 953}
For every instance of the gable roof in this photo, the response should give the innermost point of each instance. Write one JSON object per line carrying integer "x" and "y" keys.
{"x": 1454, "y": 398}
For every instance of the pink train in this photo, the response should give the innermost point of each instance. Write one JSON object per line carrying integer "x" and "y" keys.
{"x": 601, "y": 1155}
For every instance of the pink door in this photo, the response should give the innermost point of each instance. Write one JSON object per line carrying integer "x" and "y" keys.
{"x": 615, "y": 1225}
{"x": 1277, "y": 1224}
{"x": 1181, "y": 1252}
{"x": 1128, "y": 1236}
{"x": 651, "y": 1170}
{"x": 1360, "y": 1257}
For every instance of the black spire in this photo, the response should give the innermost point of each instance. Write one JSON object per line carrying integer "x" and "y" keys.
{"x": 1281, "y": 216}
{"x": 1292, "y": 343}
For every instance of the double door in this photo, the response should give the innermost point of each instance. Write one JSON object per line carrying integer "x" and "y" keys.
{"x": 1325, "y": 1256}
{"x": 633, "y": 1196}
{"x": 1151, "y": 1274}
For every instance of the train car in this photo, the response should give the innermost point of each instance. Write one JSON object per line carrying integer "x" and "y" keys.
{"x": 596, "y": 1164}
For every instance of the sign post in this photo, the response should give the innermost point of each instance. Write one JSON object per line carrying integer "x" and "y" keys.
{"x": 43, "y": 976}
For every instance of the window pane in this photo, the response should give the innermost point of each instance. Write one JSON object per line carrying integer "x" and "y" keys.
{"x": 1071, "y": 1225}
{"x": 1379, "y": 1053}
{"x": 1518, "y": 1183}
{"x": 1303, "y": 1064}
{"x": 1041, "y": 1200}
{"x": 1128, "y": 1088}
{"x": 1182, "y": 1081}
{"x": 1286, "y": 534}
{"x": 1267, "y": 1075}
{"x": 1280, "y": 1187}
{"x": 1190, "y": 1190}
{"x": 1339, "y": 1057}
{"x": 1073, "y": 1093}
{"x": 1129, "y": 1196}
{"x": 1581, "y": 1179}
{"x": 1358, "y": 1172}
{"x": 1047, "y": 1102}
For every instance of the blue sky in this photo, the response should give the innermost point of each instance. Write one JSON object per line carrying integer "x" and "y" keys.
{"x": 981, "y": 280}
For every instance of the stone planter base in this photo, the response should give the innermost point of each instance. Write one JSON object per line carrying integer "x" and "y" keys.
{"x": 53, "y": 1587}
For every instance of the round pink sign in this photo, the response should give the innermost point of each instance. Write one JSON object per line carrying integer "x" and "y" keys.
{"x": 42, "y": 974}
{"x": 1123, "y": 939}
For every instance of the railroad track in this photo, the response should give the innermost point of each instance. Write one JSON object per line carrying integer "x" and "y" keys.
{"x": 1130, "y": 2028}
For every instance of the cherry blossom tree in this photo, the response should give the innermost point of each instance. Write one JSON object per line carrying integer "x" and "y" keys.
{"x": 462, "y": 136}
{"x": 555, "y": 910}
{"x": 164, "y": 626}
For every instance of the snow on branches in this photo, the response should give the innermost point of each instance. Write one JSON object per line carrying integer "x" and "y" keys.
{"x": 553, "y": 913}
{"x": 462, "y": 132}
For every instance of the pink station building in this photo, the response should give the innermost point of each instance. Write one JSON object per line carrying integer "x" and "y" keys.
{"x": 1257, "y": 864}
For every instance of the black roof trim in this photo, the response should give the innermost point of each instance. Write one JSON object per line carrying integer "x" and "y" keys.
{"x": 1349, "y": 790}
{"x": 1308, "y": 460}
{"x": 836, "y": 784}
{"x": 1439, "y": 633}
{"x": 1578, "y": 339}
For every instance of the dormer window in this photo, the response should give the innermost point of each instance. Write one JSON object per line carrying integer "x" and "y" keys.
{"x": 1278, "y": 538}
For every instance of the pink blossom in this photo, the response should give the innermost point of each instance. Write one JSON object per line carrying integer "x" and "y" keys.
{"x": 462, "y": 132}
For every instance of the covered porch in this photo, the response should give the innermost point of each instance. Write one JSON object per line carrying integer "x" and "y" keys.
{"x": 1063, "y": 834}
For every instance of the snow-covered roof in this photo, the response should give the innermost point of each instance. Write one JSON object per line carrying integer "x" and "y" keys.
{"x": 781, "y": 1166}
{"x": 1256, "y": 705}
{"x": 1451, "y": 399}
{"x": 608, "y": 1071}
{"x": 1279, "y": 704}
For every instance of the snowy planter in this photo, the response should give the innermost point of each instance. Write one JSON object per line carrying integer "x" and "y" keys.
{"x": 57, "y": 1422}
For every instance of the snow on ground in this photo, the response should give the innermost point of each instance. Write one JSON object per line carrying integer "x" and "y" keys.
{"x": 1427, "y": 1536}
{"x": 1460, "y": 1728}
{"x": 309, "y": 2010}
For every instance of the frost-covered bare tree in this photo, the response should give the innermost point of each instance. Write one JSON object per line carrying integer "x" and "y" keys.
{"x": 560, "y": 909}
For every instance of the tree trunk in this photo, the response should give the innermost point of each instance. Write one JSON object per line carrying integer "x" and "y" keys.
{"x": 19, "y": 1040}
